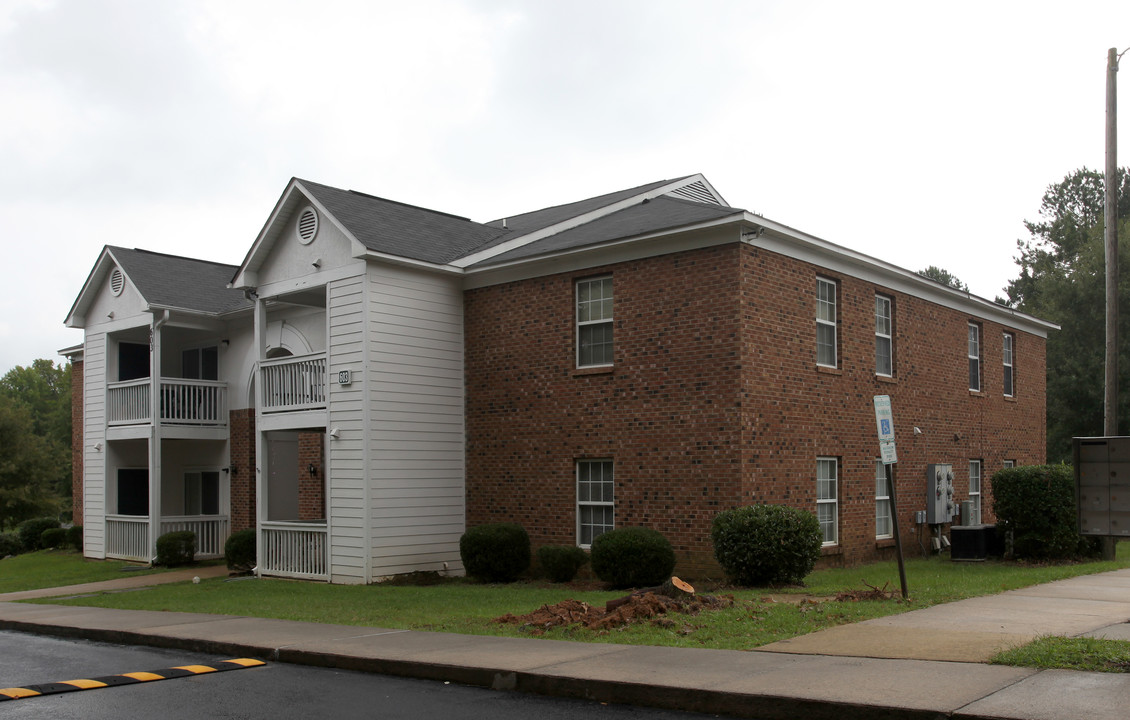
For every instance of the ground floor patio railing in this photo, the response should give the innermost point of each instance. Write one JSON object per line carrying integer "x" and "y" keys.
{"x": 294, "y": 550}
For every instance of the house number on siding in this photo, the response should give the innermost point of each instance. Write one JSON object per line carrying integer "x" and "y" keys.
{"x": 344, "y": 377}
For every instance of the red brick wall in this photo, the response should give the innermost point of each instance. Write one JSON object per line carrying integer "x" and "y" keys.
{"x": 242, "y": 450}
{"x": 77, "y": 404}
{"x": 311, "y": 487}
{"x": 715, "y": 399}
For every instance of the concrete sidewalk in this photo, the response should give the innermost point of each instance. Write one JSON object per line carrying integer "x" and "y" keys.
{"x": 922, "y": 664}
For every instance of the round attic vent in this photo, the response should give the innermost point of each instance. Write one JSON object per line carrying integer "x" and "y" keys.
{"x": 117, "y": 281}
{"x": 307, "y": 226}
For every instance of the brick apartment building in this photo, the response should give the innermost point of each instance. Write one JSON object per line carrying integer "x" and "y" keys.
{"x": 376, "y": 377}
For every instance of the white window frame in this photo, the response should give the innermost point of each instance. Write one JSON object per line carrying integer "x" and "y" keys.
{"x": 200, "y": 490}
{"x": 584, "y": 309}
{"x": 585, "y": 484}
{"x": 827, "y": 505}
{"x": 827, "y": 292}
{"x": 975, "y": 491}
{"x": 1008, "y": 463}
{"x": 973, "y": 352}
{"x": 884, "y": 335}
{"x": 882, "y": 503}
{"x": 1007, "y": 345}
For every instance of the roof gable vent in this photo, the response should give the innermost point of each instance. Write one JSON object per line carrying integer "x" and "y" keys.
{"x": 696, "y": 192}
{"x": 307, "y": 226}
{"x": 117, "y": 281}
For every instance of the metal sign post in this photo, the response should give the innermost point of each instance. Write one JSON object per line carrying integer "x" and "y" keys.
{"x": 885, "y": 424}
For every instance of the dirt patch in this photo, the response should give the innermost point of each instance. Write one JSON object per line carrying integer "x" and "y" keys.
{"x": 871, "y": 593}
{"x": 646, "y": 607}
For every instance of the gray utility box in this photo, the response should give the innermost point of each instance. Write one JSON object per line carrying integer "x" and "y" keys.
{"x": 940, "y": 505}
{"x": 1102, "y": 485}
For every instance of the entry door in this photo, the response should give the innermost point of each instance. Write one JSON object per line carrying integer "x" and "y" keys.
{"x": 282, "y": 476}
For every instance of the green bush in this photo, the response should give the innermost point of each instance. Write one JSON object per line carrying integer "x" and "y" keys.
{"x": 561, "y": 562}
{"x": 497, "y": 552}
{"x": 74, "y": 537}
{"x": 632, "y": 557}
{"x": 239, "y": 550}
{"x": 176, "y": 548}
{"x": 766, "y": 544}
{"x": 10, "y": 544}
{"x": 53, "y": 538}
{"x": 31, "y": 532}
{"x": 1035, "y": 504}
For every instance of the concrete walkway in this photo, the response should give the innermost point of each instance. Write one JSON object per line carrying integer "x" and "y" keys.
{"x": 922, "y": 664}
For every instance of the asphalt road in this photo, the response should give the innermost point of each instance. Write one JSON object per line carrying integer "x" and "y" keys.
{"x": 278, "y": 690}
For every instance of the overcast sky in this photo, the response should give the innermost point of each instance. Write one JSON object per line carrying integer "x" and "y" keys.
{"x": 919, "y": 133}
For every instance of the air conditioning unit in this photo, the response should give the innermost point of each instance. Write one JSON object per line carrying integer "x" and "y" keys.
{"x": 940, "y": 505}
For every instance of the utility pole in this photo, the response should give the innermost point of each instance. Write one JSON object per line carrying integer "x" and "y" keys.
{"x": 1110, "y": 218}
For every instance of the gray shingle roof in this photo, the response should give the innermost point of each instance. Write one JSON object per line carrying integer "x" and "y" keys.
{"x": 180, "y": 282}
{"x": 661, "y": 213}
{"x": 403, "y": 230}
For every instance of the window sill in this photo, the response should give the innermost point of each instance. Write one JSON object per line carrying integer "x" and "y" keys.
{"x": 601, "y": 370}
{"x": 978, "y": 393}
{"x": 884, "y": 542}
{"x": 1010, "y": 398}
{"x": 826, "y": 550}
{"x": 829, "y": 370}
{"x": 887, "y": 379}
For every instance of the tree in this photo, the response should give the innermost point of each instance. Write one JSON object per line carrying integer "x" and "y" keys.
{"x": 1062, "y": 279}
{"x": 945, "y": 277}
{"x": 43, "y": 390}
{"x": 26, "y": 469}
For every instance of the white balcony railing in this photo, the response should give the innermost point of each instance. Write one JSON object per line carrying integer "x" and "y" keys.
{"x": 212, "y": 532}
{"x": 294, "y": 549}
{"x": 294, "y": 383}
{"x": 127, "y": 537}
{"x": 183, "y": 402}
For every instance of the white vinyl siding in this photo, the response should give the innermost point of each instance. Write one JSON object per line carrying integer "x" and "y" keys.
{"x": 94, "y": 433}
{"x": 416, "y": 440}
{"x": 826, "y": 323}
{"x": 827, "y": 499}
{"x": 884, "y": 337}
{"x": 345, "y": 455}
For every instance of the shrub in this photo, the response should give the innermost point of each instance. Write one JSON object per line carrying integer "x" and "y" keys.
{"x": 1036, "y": 505}
{"x": 766, "y": 544}
{"x": 31, "y": 532}
{"x": 497, "y": 552}
{"x": 632, "y": 557}
{"x": 561, "y": 562}
{"x": 10, "y": 544}
{"x": 239, "y": 550}
{"x": 53, "y": 538}
{"x": 176, "y": 548}
{"x": 74, "y": 537}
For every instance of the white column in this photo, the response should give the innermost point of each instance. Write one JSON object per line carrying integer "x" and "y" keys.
{"x": 155, "y": 433}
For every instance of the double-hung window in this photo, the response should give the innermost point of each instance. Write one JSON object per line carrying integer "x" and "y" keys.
{"x": 975, "y": 491}
{"x": 974, "y": 354}
{"x": 826, "y": 323}
{"x": 884, "y": 342}
{"x": 594, "y": 322}
{"x": 827, "y": 499}
{"x": 883, "y": 523}
{"x": 595, "y": 500}
{"x": 1006, "y": 353}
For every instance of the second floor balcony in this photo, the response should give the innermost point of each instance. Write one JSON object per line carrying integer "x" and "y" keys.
{"x": 180, "y": 402}
{"x": 293, "y": 383}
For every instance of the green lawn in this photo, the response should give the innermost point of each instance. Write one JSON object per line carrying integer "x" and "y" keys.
{"x": 758, "y": 617}
{"x": 55, "y": 568}
{"x": 1070, "y": 654}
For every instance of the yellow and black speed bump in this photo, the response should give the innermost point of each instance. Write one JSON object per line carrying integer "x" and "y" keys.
{"x": 125, "y": 679}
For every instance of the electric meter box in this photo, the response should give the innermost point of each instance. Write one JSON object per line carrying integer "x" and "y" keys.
{"x": 940, "y": 505}
{"x": 1102, "y": 485}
